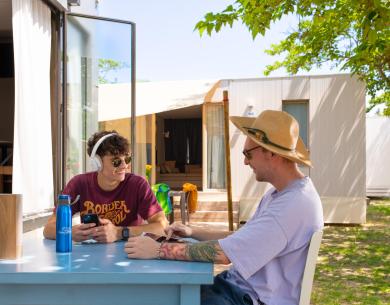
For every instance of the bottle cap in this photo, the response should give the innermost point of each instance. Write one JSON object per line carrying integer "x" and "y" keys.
{"x": 64, "y": 197}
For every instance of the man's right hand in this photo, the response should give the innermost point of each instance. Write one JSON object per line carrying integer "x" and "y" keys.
{"x": 178, "y": 229}
{"x": 83, "y": 231}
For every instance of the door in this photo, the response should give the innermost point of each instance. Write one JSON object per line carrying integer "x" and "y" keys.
{"x": 100, "y": 64}
{"x": 215, "y": 162}
{"x": 299, "y": 109}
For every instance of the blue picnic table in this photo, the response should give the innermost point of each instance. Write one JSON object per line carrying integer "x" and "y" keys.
{"x": 98, "y": 274}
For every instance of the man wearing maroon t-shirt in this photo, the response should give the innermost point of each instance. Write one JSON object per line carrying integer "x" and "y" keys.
{"x": 124, "y": 202}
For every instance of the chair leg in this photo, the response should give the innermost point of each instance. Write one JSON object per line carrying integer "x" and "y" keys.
{"x": 187, "y": 208}
{"x": 183, "y": 207}
{"x": 171, "y": 217}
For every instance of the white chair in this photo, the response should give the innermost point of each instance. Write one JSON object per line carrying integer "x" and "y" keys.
{"x": 310, "y": 267}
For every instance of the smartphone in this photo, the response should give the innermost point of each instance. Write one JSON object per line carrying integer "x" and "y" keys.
{"x": 161, "y": 238}
{"x": 90, "y": 218}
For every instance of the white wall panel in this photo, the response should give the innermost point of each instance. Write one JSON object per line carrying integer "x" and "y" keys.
{"x": 297, "y": 88}
{"x": 378, "y": 156}
{"x": 337, "y": 135}
{"x": 261, "y": 94}
{"x": 336, "y": 139}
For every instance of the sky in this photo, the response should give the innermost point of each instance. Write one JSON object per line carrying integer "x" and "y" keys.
{"x": 168, "y": 48}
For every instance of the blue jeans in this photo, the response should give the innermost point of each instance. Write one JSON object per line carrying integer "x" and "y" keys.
{"x": 223, "y": 292}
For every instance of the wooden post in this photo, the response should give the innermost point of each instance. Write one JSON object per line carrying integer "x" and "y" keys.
{"x": 11, "y": 226}
{"x": 153, "y": 162}
{"x": 227, "y": 153}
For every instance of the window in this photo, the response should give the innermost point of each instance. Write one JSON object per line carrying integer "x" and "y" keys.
{"x": 299, "y": 109}
{"x": 100, "y": 61}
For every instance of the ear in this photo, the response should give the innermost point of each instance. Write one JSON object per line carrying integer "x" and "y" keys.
{"x": 267, "y": 152}
{"x": 279, "y": 159}
{"x": 271, "y": 156}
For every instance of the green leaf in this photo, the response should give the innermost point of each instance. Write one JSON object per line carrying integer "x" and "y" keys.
{"x": 228, "y": 9}
{"x": 349, "y": 34}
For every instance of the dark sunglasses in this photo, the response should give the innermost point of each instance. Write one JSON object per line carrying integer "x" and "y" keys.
{"x": 116, "y": 162}
{"x": 247, "y": 153}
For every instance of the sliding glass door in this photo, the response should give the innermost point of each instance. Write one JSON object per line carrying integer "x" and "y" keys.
{"x": 216, "y": 159}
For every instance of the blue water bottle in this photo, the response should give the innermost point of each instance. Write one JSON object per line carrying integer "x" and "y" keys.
{"x": 64, "y": 225}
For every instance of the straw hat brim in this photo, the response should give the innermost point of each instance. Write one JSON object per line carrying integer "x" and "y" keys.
{"x": 300, "y": 155}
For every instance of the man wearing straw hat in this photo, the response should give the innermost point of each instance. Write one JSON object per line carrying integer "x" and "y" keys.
{"x": 268, "y": 253}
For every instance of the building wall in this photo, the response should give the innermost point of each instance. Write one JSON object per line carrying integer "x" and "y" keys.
{"x": 336, "y": 139}
{"x": 145, "y": 131}
{"x": 378, "y": 156}
{"x": 252, "y": 95}
{"x": 338, "y": 146}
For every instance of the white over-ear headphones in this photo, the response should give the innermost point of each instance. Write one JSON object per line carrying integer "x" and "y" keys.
{"x": 95, "y": 160}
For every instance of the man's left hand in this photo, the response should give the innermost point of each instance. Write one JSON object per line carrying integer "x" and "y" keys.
{"x": 142, "y": 247}
{"x": 107, "y": 232}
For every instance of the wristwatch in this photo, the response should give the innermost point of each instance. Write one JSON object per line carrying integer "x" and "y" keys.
{"x": 125, "y": 233}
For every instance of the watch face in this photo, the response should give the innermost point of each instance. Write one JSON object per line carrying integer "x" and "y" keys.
{"x": 125, "y": 233}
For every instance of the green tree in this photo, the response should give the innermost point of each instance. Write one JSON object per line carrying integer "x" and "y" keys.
{"x": 109, "y": 65}
{"x": 353, "y": 35}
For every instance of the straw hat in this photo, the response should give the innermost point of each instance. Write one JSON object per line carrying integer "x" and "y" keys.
{"x": 276, "y": 131}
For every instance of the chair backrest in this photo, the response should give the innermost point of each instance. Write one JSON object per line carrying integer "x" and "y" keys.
{"x": 310, "y": 267}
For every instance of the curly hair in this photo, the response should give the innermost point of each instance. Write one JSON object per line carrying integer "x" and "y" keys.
{"x": 114, "y": 145}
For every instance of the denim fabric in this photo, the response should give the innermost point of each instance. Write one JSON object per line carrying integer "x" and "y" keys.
{"x": 223, "y": 292}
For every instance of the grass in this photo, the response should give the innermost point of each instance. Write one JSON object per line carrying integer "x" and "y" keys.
{"x": 354, "y": 262}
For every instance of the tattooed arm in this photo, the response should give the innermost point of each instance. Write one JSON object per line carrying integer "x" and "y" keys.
{"x": 206, "y": 251}
{"x": 144, "y": 247}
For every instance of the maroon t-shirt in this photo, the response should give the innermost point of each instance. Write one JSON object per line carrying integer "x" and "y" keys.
{"x": 129, "y": 204}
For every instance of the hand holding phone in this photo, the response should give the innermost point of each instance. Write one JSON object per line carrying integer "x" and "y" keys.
{"x": 90, "y": 218}
{"x": 161, "y": 238}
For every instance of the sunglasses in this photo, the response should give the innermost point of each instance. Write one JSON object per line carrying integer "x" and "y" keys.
{"x": 247, "y": 153}
{"x": 116, "y": 162}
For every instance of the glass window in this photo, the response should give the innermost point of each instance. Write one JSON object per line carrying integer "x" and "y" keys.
{"x": 299, "y": 110}
{"x": 99, "y": 84}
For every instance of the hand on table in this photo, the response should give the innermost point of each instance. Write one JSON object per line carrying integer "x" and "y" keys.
{"x": 83, "y": 231}
{"x": 178, "y": 229}
{"x": 142, "y": 247}
{"x": 106, "y": 232}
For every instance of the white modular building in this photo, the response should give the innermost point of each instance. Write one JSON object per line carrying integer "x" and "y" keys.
{"x": 378, "y": 156}
{"x": 180, "y": 132}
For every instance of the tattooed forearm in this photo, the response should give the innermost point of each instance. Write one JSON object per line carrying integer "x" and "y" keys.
{"x": 204, "y": 251}
{"x": 207, "y": 251}
{"x": 176, "y": 251}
